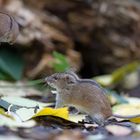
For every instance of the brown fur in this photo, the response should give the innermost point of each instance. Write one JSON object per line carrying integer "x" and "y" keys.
{"x": 85, "y": 96}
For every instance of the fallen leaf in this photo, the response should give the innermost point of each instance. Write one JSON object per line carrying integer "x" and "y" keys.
{"x": 6, "y": 121}
{"x": 135, "y": 120}
{"x": 68, "y": 135}
{"x": 132, "y": 100}
{"x": 138, "y": 127}
{"x": 24, "y": 102}
{"x": 118, "y": 75}
{"x": 2, "y": 112}
{"x": 60, "y": 112}
{"x": 57, "y": 122}
{"x": 104, "y": 80}
{"x": 11, "y": 137}
{"x": 128, "y": 110}
{"x": 118, "y": 130}
{"x": 96, "y": 137}
{"x": 77, "y": 118}
{"x": 24, "y": 109}
{"x": 24, "y": 114}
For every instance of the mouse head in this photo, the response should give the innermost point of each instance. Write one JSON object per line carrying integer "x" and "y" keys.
{"x": 61, "y": 80}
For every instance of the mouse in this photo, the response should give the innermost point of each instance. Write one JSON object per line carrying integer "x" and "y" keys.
{"x": 86, "y": 95}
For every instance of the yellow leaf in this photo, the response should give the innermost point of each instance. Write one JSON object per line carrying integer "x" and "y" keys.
{"x": 135, "y": 120}
{"x": 60, "y": 112}
{"x": 128, "y": 110}
{"x": 2, "y": 112}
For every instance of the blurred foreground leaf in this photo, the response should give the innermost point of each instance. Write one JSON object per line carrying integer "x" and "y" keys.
{"x": 123, "y": 131}
{"x": 11, "y": 65}
{"x": 60, "y": 63}
{"x": 132, "y": 100}
{"x": 117, "y": 75}
{"x": 120, "y": 73}
{"x": 104, "y": 80}
{"x": 24, "y": 109}
{"x": 23, "y": 102}
{"x": 128, "y": 110}
{"x": 2, "y": 112}
{"x": 6, "y": 121}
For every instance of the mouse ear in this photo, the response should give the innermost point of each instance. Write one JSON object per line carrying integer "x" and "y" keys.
{"x": 70, "y": 72}
{"x": 70, "y": 80}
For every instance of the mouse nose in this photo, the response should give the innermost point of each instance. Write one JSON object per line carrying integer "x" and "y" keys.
{"x": 48, "y": 80}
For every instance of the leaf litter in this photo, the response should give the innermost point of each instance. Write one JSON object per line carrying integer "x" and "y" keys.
{"x": 20, "y": 113}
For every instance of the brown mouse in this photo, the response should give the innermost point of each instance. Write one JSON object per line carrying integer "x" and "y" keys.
{"x": 84, "y": 94}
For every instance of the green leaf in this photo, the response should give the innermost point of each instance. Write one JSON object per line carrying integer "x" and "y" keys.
{"x": 60, "y": 64}
{"x": 11, "y": 65}
{"x": 3, "y": 76}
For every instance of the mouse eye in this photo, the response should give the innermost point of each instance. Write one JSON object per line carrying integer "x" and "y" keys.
{"x": 67, "y": 77}
{"x": 55, "y": 78}
{"x": 70, "y": 82}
